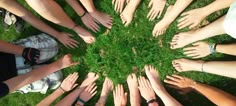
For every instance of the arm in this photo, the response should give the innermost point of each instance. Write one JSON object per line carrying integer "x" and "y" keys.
{"x": 76, "y": 6}
{"x": 226, "y": 48}
{"x": 216, "y": 5}
{"x": 153, "y": 104}
{"x": 67, "y": 85}
{"x": 217, "y": 96}
{"x": 15, "y": 49}
{"x": 17, "y": 9}
{"x": 36, "y": 74}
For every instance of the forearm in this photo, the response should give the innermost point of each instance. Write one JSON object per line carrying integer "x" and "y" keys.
{"x": 14, "y": 49}
{"x": 17, "y": 9}
{"x": 217, "y": 96}
{"x": 135, "y": 99}
{"x": 226, "y": 48}
{"x": 76, "y": 6}
{"x": 167, "y": 99}
{"x": 17, "y": 82}
{"x": 217, "y": 5}
{"x": 48, "y": 100}
{"x": 69, "y": 99}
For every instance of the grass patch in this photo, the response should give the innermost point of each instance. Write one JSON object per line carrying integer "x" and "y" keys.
{"x": 125, "y": 50}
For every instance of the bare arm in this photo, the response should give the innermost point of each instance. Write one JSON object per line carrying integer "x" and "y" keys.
{"x": 76, "y": 6}
{"x": 15, "y": 49}
{"x": 226, "y": 48}
{"x": 217, "y": 5}
{"x": 36, "y": 74}
{"x": 217, "y": 96}
{"x": 17, "y": 9}
{"x": 49, "y": 99}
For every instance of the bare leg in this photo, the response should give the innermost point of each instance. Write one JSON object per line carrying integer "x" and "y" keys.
{"x": 50, "y": 10}
{"x": 159, "y": 89}
{"x": 170, "y": 16}
{"x": 128, "y": 13}
{"x": 183, "y": 39}
{"x": 223, "y": 68}
{"x": 133, "y": 89}
{"x": 106, "y": 89}
{"x": 102, "y": 18}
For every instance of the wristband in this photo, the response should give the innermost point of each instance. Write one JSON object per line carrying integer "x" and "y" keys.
{"x": 62, "y": 89}
{"x": 83, "y": 14}
{"x": 212, "y": 47}
{"x": 151, "y": 101}
{"x": 80, "y": 100}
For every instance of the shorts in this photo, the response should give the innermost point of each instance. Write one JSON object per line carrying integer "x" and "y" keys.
{"x": 230, "y": 21}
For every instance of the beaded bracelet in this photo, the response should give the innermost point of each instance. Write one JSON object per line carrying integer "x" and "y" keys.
{"x": 83, "y": 14}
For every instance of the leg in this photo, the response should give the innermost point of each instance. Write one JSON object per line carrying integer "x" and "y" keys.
{"x": 50, "y": 10}
{"x": 170, "y": 16}
{"x": 102, "y": 18}
{"x": 183, "y": 39}
{"x": 106, "y": 89}
{"x": 159, "y": 89}
{"x": 128, "y": 13}
{"x": 133, "y": 89}
{"x": 223, "y": 68}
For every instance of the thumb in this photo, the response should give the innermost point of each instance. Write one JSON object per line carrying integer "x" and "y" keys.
{"x": 75, "y": 63}
{"x": 197, "y": 43}
{"x": 74, "y": 86}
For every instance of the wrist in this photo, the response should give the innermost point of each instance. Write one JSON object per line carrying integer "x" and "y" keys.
{"x": 151, "y": 101}
{"x": 206, "y": 10}
{"x": 193, "y": 85}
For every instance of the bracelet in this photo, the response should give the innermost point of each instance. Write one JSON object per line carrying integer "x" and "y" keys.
{"x": 62, "y": 89}
{"x": 80, "y": 100}
{"x": 212, "y": 47}
{"x": 151, "y": 101}
{"x": 83, "y": 14}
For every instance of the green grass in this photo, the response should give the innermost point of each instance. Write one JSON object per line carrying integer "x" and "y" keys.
{"x": 113, "y": 54}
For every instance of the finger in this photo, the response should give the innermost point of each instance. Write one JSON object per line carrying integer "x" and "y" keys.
{"x": 91, "y": 87}
{"x": 94, "y": 93}
{"x": 198, "y": 56}
{"x": 172, "y": 78}
{"x": 190, "y": 52}
{"x": 184, "y": 24}
{"x": 183, "y": 19}
{"x": 184, "y": 14}
{"x": 192, "y": 55}
{"x": 193, "y": 25}
{"x": 177, "y": 76}
{"x": 171, "y": 82}
{"x": 113, "y": 1}
{"x": 116, "y": 6}
{"x": 150, "y": 4}
{"x": 74, "y": 86}
{"x": 154, "y": 15}
{"x": 160, "y": 13}
{"x": 149, "y": 14}
{"x": 93, "y": 90}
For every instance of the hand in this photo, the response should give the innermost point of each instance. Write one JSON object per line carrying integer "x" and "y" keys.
{"x": 157, "y": 9}
{"x": 66, "y": 40}
{"x": 90, "y": 78}
{"x": 66, "y": 61}
{"x": 31, "y": 55}
{"x": 119, "y": 5}
{"x": 199, "y": 50}
{"x": 90, "y": 22}
{"x": 179, "y": 81}
{"x": 120, "y": 98}
{"x": 88, "y": 93}
{"x": 145, "y": 89}
{"x": 69, "y": 83}
{"x": 191, "y": 18}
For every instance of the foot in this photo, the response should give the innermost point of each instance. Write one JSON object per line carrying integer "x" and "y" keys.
{"x": 134, "y": 91}
{"x": 128, "y": 13}
{"x": 160, "y": 27}
{"x": 198, "y": 50}
{"x": 183, "y": 65}
{"x": 153, "y": 76}
{"x": 106, "y": 89}
{"x": 102, "y": 18}
{"x": 183, "y": 39}
{"x": 85, "y": 35}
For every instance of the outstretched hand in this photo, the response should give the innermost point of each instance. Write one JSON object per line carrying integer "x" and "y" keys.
{"x": 88, "y": 93}
{"x": 66, "y": 40}
{"x": 90, "y": 78}
{"x": 120, "y": 97}
{"x": 69, "y": 83}
{"x": 90, "y": 22}
{"x": 66, "y": 61}
{"x": 198, "y": 50}
{"x": 179, "y": 81}
{"x": 191, "y": 18}
{"x": 157, "y": 7}
{"x": 145, "y": 89}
